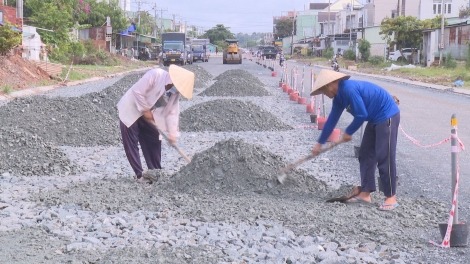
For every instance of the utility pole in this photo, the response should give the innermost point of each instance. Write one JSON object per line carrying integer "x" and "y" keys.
{"x": 174, "y": 17}
{"x": 155, "y": 26}
{"x": 328, "y": 29}
{"x": 442, "y": 32}
{"x": 350, "y": 24}
{"x": 161, "y": 19}
{"x": 292, "y": 41}
{"x": 138, "y": 12}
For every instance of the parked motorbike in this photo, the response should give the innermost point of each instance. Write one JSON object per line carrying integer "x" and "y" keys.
{"x": 335, "y": 65}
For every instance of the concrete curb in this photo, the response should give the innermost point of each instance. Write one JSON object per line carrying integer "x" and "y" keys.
{"x": 43, "y": 89}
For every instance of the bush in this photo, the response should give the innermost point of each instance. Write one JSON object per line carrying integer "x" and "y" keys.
{"x": 376, "y": 60}
{"x": 8, "y": 38}
{"x": 450, "y": 63}
{"x": 349, "y": 55}
{"x": 364, "y": 49}
{"x": 329, "y": 53}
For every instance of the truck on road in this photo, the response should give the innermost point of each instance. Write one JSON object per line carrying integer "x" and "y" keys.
{"x": 200, "y": 47}
{"x": 174, "y": 48}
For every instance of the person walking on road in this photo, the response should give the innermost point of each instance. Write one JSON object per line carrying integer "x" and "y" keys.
{"x": 369, "y": 102}
{"x": 216, "y": 50}
{"x": 153, "y": 99}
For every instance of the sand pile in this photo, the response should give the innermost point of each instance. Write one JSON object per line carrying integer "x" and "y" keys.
{"x": 225, "y": 115}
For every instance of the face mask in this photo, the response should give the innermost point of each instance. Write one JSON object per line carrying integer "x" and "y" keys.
{"x": 173, "y": 90}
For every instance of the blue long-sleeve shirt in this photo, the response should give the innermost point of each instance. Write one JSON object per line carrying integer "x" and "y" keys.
{"x": 365, "y": 101}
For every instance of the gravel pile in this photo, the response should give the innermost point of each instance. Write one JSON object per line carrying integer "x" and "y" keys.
{"x": 229, "y": 115}
{"x": 27, "y": 154}
{"x": 234, "y": 167}
{"x": 223, "y": 207}
{"x": 241, "y": 74}
{"x": 236, "y": 83}
{"x": 201, "y": 75}
{"x": 108, "y": 98}
{"x": 63, "y": 121}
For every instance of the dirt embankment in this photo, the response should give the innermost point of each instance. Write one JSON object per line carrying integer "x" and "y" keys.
{"x": 19, "y": 73}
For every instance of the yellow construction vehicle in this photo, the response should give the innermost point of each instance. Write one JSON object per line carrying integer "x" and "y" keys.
{"x": 232, "y": 54}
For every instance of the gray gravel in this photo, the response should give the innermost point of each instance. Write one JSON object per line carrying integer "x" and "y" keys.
{"x": 223, "y": 207}
{"x": 24, "y": 153}
{"x": 229, "y": 115}
{"x": 64, "y": 121}
{"x": 236, "y": 83}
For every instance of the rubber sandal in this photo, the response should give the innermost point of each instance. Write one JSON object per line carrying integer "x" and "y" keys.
{"x": 391, "y": 206}
{"x": 356, "y": 199}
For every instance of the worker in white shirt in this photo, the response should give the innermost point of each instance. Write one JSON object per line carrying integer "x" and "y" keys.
{"x": 154, "y": 99}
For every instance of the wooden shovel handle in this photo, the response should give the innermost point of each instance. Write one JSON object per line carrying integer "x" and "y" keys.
{"x": 304, "y": 159}
{"x": 168, "y": 139}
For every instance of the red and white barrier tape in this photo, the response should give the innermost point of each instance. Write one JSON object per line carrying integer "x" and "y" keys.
{"x": 416, "y": 142}
{"x": 446, "y": 241}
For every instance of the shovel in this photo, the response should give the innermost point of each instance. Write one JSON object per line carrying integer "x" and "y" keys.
{"x": 168, "y": 139}
{"x": 282, "y": 177}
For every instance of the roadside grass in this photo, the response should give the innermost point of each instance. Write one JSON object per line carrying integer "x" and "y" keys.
{"x": 81, "y": 72}
{"x": 7, "y": 89}
{"x": 434, "y": 74}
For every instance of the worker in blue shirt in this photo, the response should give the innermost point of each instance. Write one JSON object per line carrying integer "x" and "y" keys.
{"x": 369, "y": 102}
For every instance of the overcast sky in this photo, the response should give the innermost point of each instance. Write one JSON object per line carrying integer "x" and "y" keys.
{"x": 246, "y": 16}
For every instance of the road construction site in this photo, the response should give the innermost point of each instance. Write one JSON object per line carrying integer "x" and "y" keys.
{"x": 68, "y": 194}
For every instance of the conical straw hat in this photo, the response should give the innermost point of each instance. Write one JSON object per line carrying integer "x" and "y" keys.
{"x": 183, "y": 80}
{"x": 325, "y": 77}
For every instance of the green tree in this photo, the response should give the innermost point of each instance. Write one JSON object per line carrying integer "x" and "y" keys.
{"x": 218, "y": 33}
{"x": 284, "y": 27}
{"x": 406, "y": 31}
{"x": 364, "y": 49}
{"x": 55, "y": 15}
{"x": 8, "y": 38}
{"x": 95, "y": 13}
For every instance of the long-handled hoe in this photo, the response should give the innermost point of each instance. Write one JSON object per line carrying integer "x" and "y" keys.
{"x": 283, "y": 176}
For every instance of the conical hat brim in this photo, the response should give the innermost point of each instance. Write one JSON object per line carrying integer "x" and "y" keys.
{"x": 183, "y": 80}
{"x": 325, "y": 77}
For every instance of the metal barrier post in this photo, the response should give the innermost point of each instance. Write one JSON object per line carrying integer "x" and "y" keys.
{"x": 454, "y": 152}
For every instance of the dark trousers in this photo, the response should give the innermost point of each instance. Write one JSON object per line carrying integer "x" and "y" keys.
{"x": 147, "y": 135}
{"x": 378, "y": 149}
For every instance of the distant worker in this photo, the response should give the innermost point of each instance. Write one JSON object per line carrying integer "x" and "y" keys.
{"x": 216, "y": 50}
{"x": 154, "y": 99}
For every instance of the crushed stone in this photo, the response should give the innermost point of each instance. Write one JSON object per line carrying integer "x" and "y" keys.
{"x": 233, "y": 167}
{"x": 201, "y": 76}
{"x": 108, "y": 98}
{"x": 63, "y": 121}
{"x": 233, "y": 86}
{"x": 229, "y": 115}
{"x": 27, "y": 154}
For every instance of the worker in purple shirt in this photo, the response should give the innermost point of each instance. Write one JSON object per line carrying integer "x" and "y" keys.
{"x": 152, "y": 100}
{"x": 369, "y": 102}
